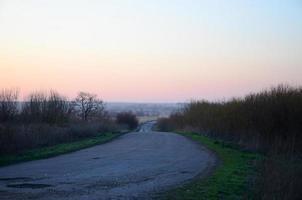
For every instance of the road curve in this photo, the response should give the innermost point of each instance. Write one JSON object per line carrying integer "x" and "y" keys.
{"x": 137, "y": 165}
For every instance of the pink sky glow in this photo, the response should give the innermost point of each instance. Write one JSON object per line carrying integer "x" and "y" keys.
{"x": 150, "y": 51}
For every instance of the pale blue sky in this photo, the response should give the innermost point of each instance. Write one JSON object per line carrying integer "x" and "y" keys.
{"x": 176, "y": 50}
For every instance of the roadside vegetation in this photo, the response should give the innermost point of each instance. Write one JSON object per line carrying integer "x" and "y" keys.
{"x": 47, "y": 124}
{"x": 230, "y": 180}
{"x": 58, "y": 149}
{"x": 127, "y": 120}
{"x": 268, "y": 122}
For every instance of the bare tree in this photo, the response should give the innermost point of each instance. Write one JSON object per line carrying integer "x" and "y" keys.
{"x": 88, "y": 105}
{"x": 8, "y": 104}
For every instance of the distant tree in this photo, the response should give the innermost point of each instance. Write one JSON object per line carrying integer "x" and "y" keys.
{"x": 127, "y": 118}
{"x": 87, "y": 105}
{"x": 8, "y": 104}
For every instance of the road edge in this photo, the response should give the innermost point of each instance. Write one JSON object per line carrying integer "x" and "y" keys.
{"x": 57, "y": 150}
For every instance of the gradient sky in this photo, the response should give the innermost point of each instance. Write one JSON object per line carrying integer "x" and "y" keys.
{"x": 150, "y": 51}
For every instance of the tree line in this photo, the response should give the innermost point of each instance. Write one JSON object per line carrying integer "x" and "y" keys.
{"x": 52, "y": 107}
{"x": 270, "y": 120}
{"x": 48, "y": 118}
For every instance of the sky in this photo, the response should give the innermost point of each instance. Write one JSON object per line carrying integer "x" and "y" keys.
{"x": 150, "y": 51}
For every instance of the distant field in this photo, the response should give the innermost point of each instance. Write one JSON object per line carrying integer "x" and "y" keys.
{"x": 144, "y": 109}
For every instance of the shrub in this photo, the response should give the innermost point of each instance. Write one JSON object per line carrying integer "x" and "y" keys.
{"x": 43, "y": 108}
{"x": 164, "y": 124}
{"x": 46, "y": 119}
{"x": 8, "y": 104}
{"x": 279, "y": 178}
{"x": 127, "y": 118}
{"x": 16, "y": 138}
{"x": 269, "y": 121}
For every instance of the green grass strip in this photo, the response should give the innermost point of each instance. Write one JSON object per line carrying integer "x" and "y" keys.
{"x": 228, "y": 181}
{"x": 47, "y": 152}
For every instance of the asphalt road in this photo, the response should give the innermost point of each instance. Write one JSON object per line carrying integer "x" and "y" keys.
{"x": 138, "y": 165}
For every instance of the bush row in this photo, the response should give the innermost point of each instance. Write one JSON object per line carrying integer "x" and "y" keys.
{"x": 270, "y": 120}
{"x": 45, "y": 119}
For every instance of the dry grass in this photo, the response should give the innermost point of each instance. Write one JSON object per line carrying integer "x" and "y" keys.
{"x": 16, "y": 138}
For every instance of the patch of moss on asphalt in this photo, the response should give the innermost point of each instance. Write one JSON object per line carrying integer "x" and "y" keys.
{"x": 230, "y": 180}
{"x": 47, "y": 152}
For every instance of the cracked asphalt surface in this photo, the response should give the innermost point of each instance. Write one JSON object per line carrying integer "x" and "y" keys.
{"x": 138, "y": 165}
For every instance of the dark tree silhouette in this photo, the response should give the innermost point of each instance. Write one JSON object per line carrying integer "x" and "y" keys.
{"x": 88, "y": 105}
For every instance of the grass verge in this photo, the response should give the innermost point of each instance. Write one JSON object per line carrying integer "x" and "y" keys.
{"x": 59, "y": 149}
{"x": 230, "y": 180}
